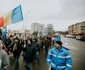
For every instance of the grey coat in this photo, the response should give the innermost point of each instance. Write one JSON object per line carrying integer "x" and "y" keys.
{"x": 4, "y": 60}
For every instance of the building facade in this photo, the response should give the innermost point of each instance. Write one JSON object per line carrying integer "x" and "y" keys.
{"x": 70, "y": 29}
{"x": 78, "y": 28}
{"x": 49, "y": 28}
{"x": 27, "y": 32}
{"x": 37, "y": 27}
{"x": 45, "y": 31}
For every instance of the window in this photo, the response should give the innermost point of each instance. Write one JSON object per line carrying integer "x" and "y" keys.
{"x": 82, "y": 26}
{"x": 82, "y": 29}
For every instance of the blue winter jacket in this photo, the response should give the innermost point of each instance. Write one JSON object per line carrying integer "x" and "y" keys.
{"x": 59, "y": 59}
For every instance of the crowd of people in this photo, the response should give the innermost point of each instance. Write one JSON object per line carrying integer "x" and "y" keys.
{"x": 28, "y": 47}
{"x": 58, "y": 57}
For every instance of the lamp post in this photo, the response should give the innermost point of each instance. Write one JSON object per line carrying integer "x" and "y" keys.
{"x": 25, "y": 17}
{"x": 24, "y": 26}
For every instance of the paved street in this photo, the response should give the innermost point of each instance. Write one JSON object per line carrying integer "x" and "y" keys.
{"x": 77, "y": 49}
{"x": 42, "y": 65}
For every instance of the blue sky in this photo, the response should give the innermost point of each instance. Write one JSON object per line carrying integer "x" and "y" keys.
{"x": 60, "y": 13}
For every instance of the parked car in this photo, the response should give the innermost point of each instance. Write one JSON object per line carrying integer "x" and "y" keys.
{"x": 78, "y": 37}
{"x": 82, "y": 38}
{"x": 70, "y": 36}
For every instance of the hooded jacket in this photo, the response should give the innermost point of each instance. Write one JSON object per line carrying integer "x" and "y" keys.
{"x": 4, "y": 60}
{"x": 59, "y": 59}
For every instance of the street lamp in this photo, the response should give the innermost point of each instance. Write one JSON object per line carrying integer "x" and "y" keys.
{"x": 24, "y": 24}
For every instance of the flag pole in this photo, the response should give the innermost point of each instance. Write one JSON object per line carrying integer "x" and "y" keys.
{"x": 24, "y": 27}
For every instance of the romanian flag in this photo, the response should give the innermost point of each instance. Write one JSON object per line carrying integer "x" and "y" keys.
{"x": 13, "y": 16}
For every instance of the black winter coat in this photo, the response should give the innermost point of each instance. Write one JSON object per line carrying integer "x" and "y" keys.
{"x": 30, "y": 54}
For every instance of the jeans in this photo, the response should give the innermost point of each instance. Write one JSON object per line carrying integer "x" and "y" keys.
{"x": 16, "y": 62}
{"x": 28, "y": 66}
{"x": 37, "y": 56}
{"x": 46, "y": 50}
{"x": 52, "y": 69}
{"x": 23, "y": 54}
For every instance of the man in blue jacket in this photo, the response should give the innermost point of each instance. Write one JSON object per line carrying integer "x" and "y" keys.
{"x": 59, "y": 58}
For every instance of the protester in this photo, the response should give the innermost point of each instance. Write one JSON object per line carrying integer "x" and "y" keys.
{"x": 30, "y": 55}
{"x": 47, "y": 45}
{"x": 37, "y": 48}
{"x": 4, "y": 60}
{"x": 59, "y": 58}
{"x": 16, "y": 48}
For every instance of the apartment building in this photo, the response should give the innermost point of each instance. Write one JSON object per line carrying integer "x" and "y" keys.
{"x": 49, "y": 28}
{"x": 37, "y": 27}
{"x": 78, "y": 28}
{"x": 70, "y": 29}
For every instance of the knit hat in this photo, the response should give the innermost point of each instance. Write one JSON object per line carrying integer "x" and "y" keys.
{"x": 59, "y": 42}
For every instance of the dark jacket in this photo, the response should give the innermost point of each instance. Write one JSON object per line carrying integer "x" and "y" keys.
{"x": 37, "y": 46}
{"x": 16, "y": 52}
{"x": 30, "y": 54}
{"x": 47, "y": 44}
